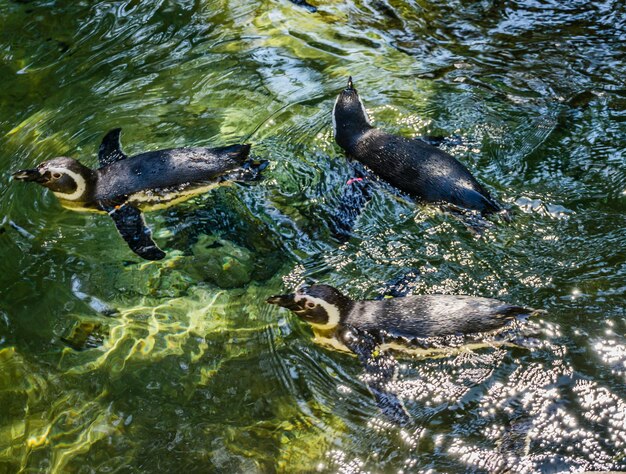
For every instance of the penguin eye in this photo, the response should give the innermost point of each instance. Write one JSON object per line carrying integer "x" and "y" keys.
{"x": 310, "y": 305}
{"x": 56, "y": 175}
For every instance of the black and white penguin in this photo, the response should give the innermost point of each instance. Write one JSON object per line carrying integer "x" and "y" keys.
{"x": 410, "y": 321}
{"x": 413, "y": 166}
{"x": 124, "y": 186}
{"x": 371, "y": 329}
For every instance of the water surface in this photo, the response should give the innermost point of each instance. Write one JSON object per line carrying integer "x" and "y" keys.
{"x": 191, "y": 370}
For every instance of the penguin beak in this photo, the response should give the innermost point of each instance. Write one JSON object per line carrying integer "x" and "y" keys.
{"x": 285, "y": 301}
{"x": 29, "y": 175}
{"x": 350, "y": 85}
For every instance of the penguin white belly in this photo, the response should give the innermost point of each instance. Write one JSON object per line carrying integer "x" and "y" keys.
{"x": 147, "y": 200}
{"x": 438, "y": 352}
{"x": 77, "y": 206}
{"x": 153, "y": 200}
{"x": 329, "y": 341}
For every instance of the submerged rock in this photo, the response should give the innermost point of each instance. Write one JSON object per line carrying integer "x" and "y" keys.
{"x": 85, "y": 335}
{"x": 220, "y": 262}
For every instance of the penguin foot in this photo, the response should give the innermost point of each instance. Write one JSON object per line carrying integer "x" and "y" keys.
{"x": 250, "y": 171}
{"x": 304, "y": 4}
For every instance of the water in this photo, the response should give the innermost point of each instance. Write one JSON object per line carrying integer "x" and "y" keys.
{"x": 188, "y": 370}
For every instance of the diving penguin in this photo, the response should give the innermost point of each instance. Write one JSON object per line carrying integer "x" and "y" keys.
{"x": 412, "y": 166}
{"x": 412, "y": 324}
{"x": 124, "y": 186}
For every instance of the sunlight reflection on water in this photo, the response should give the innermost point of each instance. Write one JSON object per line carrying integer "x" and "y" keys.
{"x": 195, "y": 372}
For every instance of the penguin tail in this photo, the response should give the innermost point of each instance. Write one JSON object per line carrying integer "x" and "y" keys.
{"x": 237, "y": 153}
{"x": 245, "y": 149}
{"x": 241, "y": 152}
{"x": 514, "y": 312}
{"x": 475, "y": 200}
{"x": 505, "y": 215}
{"x": 490, "y": 205}
{"x": 536, "y": 312}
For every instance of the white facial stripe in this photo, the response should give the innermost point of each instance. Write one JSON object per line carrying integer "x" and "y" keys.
{"x": 367, "y": 117}
{"x": 331, "y": 310}
{"x": 81, "y": 184}
{"x": 334, "y": 119}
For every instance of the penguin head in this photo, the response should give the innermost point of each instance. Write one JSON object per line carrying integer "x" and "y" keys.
{"x": 350, "y": 118}
{"x": 66, "y": 177}
{"x": 320, "y": 305}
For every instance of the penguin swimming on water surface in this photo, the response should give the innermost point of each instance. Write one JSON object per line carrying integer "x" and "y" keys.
{"x": 414, "y": 167}
{"x": 412, "y": 324}
{"x": 124, "y": 186}
{"x": 403, "y": 321}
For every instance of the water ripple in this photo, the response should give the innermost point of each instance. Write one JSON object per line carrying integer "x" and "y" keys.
{"x": 187, "y": 368}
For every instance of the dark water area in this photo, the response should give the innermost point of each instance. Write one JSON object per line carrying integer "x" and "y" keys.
{"x": 186, "y": 368}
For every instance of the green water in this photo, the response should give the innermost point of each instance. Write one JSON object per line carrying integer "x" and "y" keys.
{"x": 191, "y": 370}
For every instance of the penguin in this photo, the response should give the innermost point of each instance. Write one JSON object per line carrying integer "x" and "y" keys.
{"x": 424, "y": 321}
{"x": 416, "y": 325}
{"x": 125, "y": 186}
{"x": 415, "y": 167}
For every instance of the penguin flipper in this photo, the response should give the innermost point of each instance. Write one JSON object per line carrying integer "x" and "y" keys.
{"x": 111, "y": 148}
{"x": 380, "y": 368}
{"x": 132, "y": 227}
